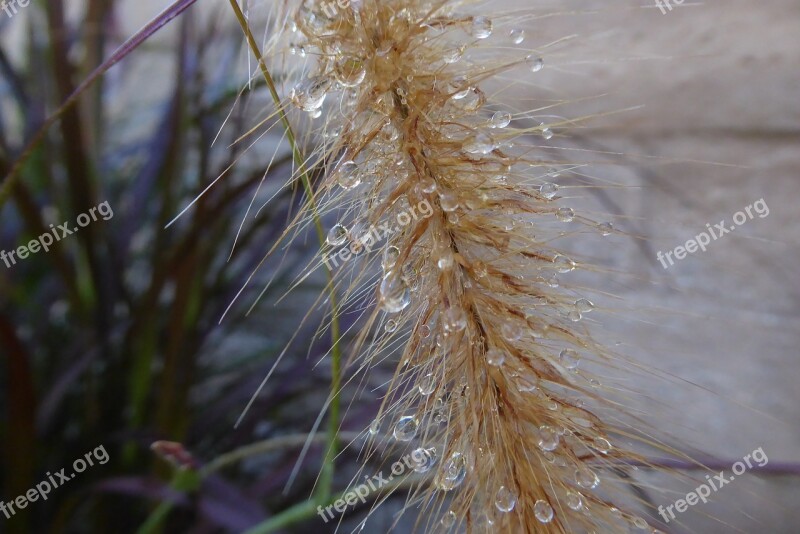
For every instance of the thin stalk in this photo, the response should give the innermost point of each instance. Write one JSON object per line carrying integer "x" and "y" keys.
{"x": 326, "y": 477}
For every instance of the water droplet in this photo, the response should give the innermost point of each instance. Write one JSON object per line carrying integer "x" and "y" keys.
{"x": 375, "y": 426}
{"x": 569, "y": 358}
{"x": 483, "y": 523}
{"x": 584, "y": 305}
{"x": 586, "y": 478}
{"x": 553, "y": 281}
{"x": 563, "y": 264}
{"x": 349, "y": 71}
{"x": 547, "y": 133}
{"x": 336, "y": 235}
{"x": 481, "y": 27}
{"x": 501, "y": 119}
{"x": 574, "y": 316}
{"x": 605, "y": 228}
{"x": 543, "y": 511}
{"x": 547, "y": 438}
{"x": 428, "y": 185}
{"x": 640, "y": 523}
{"x": 574, "y": 500}
{"x": 317, "y": 113}
{"x": 310, "y": 94}
{"x": 445, "y": 259}
{"x": 390, "y": 256}
{"x": 517, "y": 36}
{"x": 391, "y": 326}
{"x": 535, "y": 63}
{"x": 424, "y": 459}
{"x": 505, "y": 500}
{"x": 449, "y": 519}
{"x": 460, "y": 87}
{"x": 601, "y": 444}
{"x": 495, "y": 357}
{"x": 448, "y": 200}
{"x": 454, "y": 320}
{"x": 453, "y": 472}
{"x": 395, "y": 294}
{"x": 479, "y": 144}
{"x": 406, "y": 428}
{"x": 511, "y": 331}
{"x": 347, "y": 175}
{"x": 565, "y": 214}
{"x": 424, "y": 331}
{"x": 548, "y": 190}
{"x": 454, "y": 55}
{"x": 426, "y": 385}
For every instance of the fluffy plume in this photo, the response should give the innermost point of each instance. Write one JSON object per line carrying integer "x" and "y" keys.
{"x": 453, "y": 238}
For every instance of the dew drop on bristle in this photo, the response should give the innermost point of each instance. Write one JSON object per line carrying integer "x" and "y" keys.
{"x": 605, "y": 228}
{"x": 453, "y": 472}
{"x": 424, "y": 459}
{"x": 495, "y": 357}
{"x": 347, "y": 175}
{"x": 350, "y": 71}
{"x": 565, "y": 214}
{"x": 563, "y": 264}
{"x": 535, "y": 63}
{"x": 336, "y": 235}
{"x": 586, "y": 478}
{"x": 395, "y": 293}
{"x": 406, "y": 428}
{"x": 479, "y": 144}
{"x": 481, "y": 27}
{"x": 548, "y": 190}
{"x": 543, "y": 511}
{"x": 426, "y": 385}
{"x": 310, "y": 94}
{"x": 547, "y": 133}
{"x": 454, "y": 320}
{"x": 574, "y": 500}
{"x": 449, "y": 519}
{"x": 505, "y": 500}
{"x": 390, "y": 257}
{"x": 517, "y": 36}
{"x": 569, "y": 358}
{"x": 584, "y": 305}
{"x": 501, "y": 119}
{"x": 547, "y": 438}
{"x": 391, "y": 326}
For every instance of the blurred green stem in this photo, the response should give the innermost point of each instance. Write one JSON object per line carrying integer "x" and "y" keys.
{"x": 326, "y": 477}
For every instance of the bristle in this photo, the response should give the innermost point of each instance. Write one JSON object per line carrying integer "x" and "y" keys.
{"x": 469, "y": 247}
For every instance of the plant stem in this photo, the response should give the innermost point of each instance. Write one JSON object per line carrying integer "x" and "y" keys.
{"x": 326, "y": 477}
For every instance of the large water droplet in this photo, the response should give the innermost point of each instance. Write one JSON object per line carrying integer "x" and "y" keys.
{"x": 406, "y": 428}
{"x": 535, "y": 63}
{"x": 574, "y": 500}
{"x": 336, "y": 235}
{"x": 390, "y": 256}
{"x": 563, "y": 264}
{"x": 501, "y": 119}
{"x": 511, "y": 331}
{"x": 505, "y": 500}
{"x": 395, "y": 294}
{"x": 569, "y": 358}
{"x": 479, "y": 144}
{"x": 449, "y": 519}
{"x": 426, "y": 385}
{"x": 424, "y": 459}
{"x": 347, "y": 175}
{"x": 481, "y": 27}
{"x": 548, "y": 190}
{"x": 448, "y": 200}
{"x": 547, "y": 438}
{"x": 350, "y": 71}
{"x": 310, "y": 94}
{"x": 453, "y": 472}
{"x": 543, "y": 511}
{"x": 454, "y": 320}
{"x": 584, "y": 305}
{"x": 517, "y": 36}
{"x": 601, "y": 444}
{"x": 586, "y": 478}
{"x": 495, "y": 357}
{"x": 565, "y": 214}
